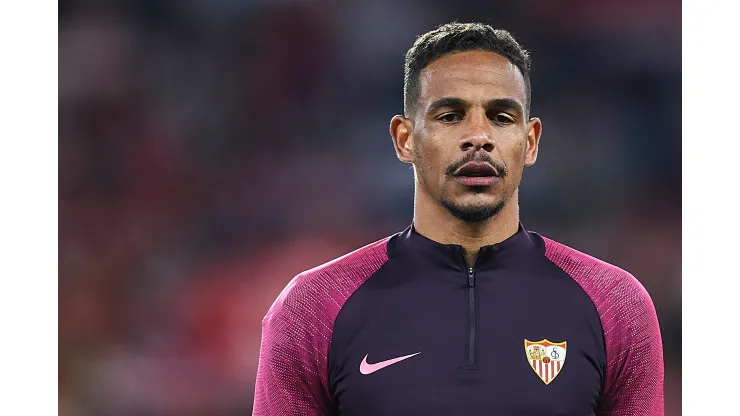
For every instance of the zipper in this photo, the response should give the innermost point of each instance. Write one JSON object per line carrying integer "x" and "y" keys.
{"x": 471, "y": 350}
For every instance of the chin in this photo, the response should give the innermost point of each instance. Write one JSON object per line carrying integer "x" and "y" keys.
{"x": 474, "y": 211}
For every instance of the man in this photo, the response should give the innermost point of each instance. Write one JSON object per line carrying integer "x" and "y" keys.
{"x": 465, "y": 312}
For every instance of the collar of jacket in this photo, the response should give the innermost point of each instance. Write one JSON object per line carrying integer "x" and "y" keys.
{"x": 450, "y": 256}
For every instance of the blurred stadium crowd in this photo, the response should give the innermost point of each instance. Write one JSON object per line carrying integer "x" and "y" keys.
{"x": 211, "y": 150}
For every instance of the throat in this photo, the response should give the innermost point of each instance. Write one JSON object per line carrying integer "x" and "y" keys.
{"x": 434, "y": 221}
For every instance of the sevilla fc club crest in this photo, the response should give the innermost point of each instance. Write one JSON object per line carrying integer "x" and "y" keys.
{"x": 546, "y": 358}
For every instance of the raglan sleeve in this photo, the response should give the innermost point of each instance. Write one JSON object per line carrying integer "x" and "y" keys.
{"x": 634, "y": 372}
{"x": 291, "y": 374}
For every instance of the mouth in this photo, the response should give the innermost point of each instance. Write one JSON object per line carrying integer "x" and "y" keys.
{"x": 476, "y": 169}
{"x": 476, "y": 174}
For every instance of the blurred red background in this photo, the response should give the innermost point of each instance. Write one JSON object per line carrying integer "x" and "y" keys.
{"x": 211, "y": 150}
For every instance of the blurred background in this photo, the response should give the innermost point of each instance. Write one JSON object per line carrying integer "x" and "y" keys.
{"x": 212, "y": 149}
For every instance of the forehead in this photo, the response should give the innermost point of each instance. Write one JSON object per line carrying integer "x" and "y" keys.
{"x": 475, "y": 76}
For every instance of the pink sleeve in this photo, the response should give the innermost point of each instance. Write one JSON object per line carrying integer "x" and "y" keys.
{"x": 633, "y": 385}
{"x": 292, "y": 374}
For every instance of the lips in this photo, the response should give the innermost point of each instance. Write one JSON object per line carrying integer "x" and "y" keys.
{"x": 476, "y": 174}
{"x": 476, "y": 169}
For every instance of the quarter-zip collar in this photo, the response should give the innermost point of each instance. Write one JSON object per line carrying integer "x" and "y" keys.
{"x": 450, "y": 256}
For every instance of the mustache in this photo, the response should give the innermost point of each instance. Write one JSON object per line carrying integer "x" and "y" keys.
{"x": 477, "y": 157}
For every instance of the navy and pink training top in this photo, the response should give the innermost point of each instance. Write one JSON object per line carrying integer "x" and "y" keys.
{"x": 403, "y": 327}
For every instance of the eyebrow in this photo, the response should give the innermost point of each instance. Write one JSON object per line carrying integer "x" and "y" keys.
{"x": 505, "y": 104}
{"x": 447, "y": 102}
{"x": 499, "y": 103}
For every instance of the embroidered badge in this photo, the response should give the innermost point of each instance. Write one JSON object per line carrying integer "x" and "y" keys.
{"x": 546, "y": 358}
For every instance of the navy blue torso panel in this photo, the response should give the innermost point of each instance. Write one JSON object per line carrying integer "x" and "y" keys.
{"x": 469, "y": 328}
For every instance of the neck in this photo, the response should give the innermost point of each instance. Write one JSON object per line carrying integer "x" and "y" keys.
{"x": 435, "y": 222}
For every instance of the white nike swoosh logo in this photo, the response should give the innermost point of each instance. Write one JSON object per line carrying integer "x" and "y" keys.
{"x": 366, "y": 368}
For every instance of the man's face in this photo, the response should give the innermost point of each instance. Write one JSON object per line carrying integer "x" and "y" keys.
{"x": 469, "y": 136}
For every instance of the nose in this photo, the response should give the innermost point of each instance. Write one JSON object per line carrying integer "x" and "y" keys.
{"x": 479, "y": 133}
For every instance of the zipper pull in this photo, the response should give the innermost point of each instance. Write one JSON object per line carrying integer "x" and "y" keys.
{"x": 471, "y": 278}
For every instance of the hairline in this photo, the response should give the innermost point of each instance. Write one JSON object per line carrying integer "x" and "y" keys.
{"x": 415, "y": 84}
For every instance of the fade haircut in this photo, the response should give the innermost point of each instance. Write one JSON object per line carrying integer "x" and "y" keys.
{"x": 459, "y": 37}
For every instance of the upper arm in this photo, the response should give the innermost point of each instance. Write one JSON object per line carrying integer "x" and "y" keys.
{"x": 634, "y": 376}
{"x": 291, "y": 375}
{"x": 633, "y": 384}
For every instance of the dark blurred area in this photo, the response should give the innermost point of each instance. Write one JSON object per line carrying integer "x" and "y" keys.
{"x": 211, "y": 150}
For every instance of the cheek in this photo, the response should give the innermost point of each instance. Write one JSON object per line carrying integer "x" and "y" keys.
{"x": 430, "y": 167}
{"x": 515, "y": 158}
{"x": 429, "y": 153}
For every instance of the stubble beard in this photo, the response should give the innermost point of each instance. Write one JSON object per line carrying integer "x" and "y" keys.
{"x": 473, "y": 213}
{"x": 477, "y": 213}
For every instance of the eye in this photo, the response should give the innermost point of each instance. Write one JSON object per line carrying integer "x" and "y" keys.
{"x": 503, "y": 118}
{"x": 449, "y": 117}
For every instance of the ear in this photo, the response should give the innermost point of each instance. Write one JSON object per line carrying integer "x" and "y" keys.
{"x": 403, "y": 140}
{"x": 534, "y": 130}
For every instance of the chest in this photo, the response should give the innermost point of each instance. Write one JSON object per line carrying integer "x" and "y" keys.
{"x": 446, "y": 347}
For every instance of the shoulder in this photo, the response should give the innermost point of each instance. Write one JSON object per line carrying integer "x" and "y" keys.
{"x": 324, "y": 289}
{"x": 633, "y": 383}
{"x": 297, "y": 331}
{"x": 613, "y": 290}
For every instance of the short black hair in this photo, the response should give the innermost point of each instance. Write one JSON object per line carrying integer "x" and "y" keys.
{"x": 460, "y": 37}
